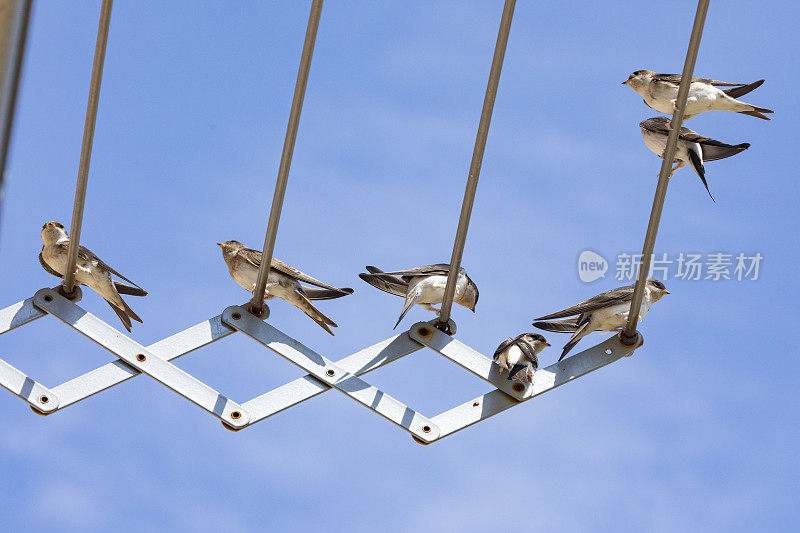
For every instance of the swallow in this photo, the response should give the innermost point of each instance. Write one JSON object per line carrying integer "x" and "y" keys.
{"x": 692, "y": 148}
{"x": 283, "y": 281}
{"x": 519, "y": 356}
{"x": 660, "y": 91}
{"x": 90, "y": 270}
{"x": 423, "y": 285}
{"x": 605, "y": 312}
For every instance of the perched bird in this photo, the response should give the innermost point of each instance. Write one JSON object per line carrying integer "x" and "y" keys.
{"x": 518, "y": 356}
{"x": 423, "y": 285}
{"x": 692, "y": 148}
{"x": 283, "y": 281}
{"x": 604, "y": 312}
{"x": 89, "y": 271}
{"x": 660, "y": 91}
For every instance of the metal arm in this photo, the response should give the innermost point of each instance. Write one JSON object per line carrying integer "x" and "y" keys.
{"x": 630, "y": 334}
{"x": 14, "y": 19}
{"x": 256, "y": 304}
{"x": 477, "y": 160}
{"x": 86, "y": 148}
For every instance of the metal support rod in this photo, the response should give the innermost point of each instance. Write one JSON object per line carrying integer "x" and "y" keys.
{"x": 477, "y": 160}
{"x": 629, "y": 334}
{"x": 86, "y": 147}
{"x": 14, "y": 19}
{"x": 256, "y": 304}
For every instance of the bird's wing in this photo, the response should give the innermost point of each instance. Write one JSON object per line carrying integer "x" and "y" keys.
{"x": 736, "y": 92}
{"x": 527, "y": 350}
{"x": 121, "y": 287}
{"x": 47, "y": 267}
{"x": 676, "y": 79}
{"x": 430, "y": 270}
{"x": 566, "y": 325}
{"x": 384, "y": 282}
{"x": 713, "y": 150}
{"x": 503, "y": 346}
{"x": 326, "y": 294}
{"x": 86, "y": 254}
{"x": 280, "y": 266}
{"x": 608, "y": 298}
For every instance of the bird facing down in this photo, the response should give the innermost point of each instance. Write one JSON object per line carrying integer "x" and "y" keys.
{"x": 283, "y": 281}
{"x": 89, "y": 271}
{"x": 605, "y": 312}
{"x": 423, "y": 285}
{"x": 692, "y": 147}
{"x": 660, "y": 91}
{"x": 518, "y": 356}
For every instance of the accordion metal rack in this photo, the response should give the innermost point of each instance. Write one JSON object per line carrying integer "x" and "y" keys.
{"x": 322, "y": 374}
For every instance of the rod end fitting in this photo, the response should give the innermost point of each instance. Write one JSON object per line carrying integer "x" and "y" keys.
{"x": 629, "y": 340}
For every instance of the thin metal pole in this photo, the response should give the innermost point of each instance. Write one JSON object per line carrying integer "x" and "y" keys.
{"x": 257, "y": 303}
{"x": 86, "y": 147}
{"x": 630, "y": 334}
{"x": 477, "y": 160}
{"x": 14, "y": 20}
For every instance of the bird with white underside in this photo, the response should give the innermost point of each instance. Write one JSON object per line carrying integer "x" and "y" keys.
{"x": 605, "y": 312}
{"x": 519, "y": 356}
{"x": 660, "y": 91}
{"x": 423, "y": 286}
{"x": 692, "y": 148}
{"x": 90, "y": 271}
{"x": 283, "y": 281}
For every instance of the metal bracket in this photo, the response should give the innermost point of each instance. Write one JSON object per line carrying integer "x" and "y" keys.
{"x": 331, "y": 374}
{"x": 140, "y": 358}
{"x": 322, "y": 376}
{"x": 544, "y": 380}
{"x": 466, "y": 357}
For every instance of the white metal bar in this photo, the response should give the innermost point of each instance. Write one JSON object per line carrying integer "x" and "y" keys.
{"x": 544, "y": 380}
{"x": 141, "y": 358}
{"x": 331, "y": 374}
{"x": 116, "y": 372}
{"x": 37, "y": 395}
{"x": 86, "y": 146}
{"x": 308, "y": 386}
{"x": 470, "y": 359}
{"x": 257, "y": 303}
{"x": 666, "y": 166}
{"x": 477, "y": 160}
{"x": 18, "y": 315}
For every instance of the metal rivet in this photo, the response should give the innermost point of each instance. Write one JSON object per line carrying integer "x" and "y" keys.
{"x": 423, "y": 332}
{"x": 236, "y": 316}
{"x": 43, "y": 399}
{"x": 48, "y": 298}
{"x": 141, "y": 357}
{"x": 426, "y": 429}
{"x": 609, "y": 351}
{"x": 236, "y": 415}
{"x": 518, "y": 387}
{"x": 330, "y": 372}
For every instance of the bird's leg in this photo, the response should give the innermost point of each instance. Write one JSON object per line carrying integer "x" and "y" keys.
{"x": 429, "y": 307}
{"x": 267, "y": 295}
{"x": 679, "y": 164}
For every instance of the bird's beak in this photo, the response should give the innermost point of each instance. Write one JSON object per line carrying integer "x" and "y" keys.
{"x": 220, "y": 244}
{"x": 667, "y": 292}
{"x": 625, "y": 82}
{"x": 547, "y": 344}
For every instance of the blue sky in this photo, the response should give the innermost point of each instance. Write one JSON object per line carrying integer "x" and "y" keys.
{"x": 697, "y": 431}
